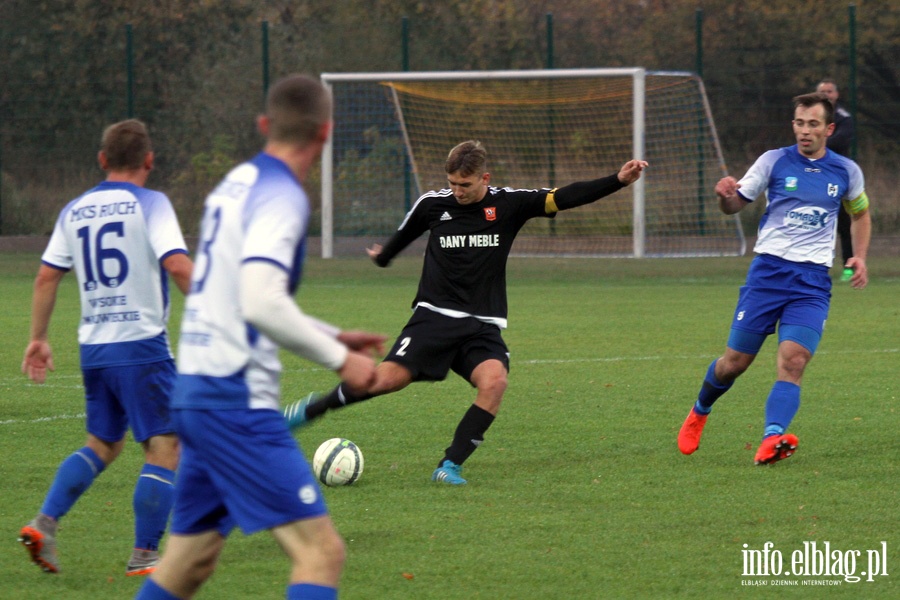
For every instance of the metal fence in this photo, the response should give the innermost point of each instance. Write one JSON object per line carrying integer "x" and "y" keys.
{"x": 199, "y": 86}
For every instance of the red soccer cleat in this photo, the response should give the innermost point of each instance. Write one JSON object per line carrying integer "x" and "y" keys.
{"x": 775, "y": 448}
{"x": 689, "y": 436}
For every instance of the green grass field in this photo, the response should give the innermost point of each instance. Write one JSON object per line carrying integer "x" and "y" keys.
{"x": 579, "y": 490}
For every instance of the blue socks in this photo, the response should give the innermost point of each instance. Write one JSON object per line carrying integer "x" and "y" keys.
{"x": 74, "y": 476}
{"x": 154, "y": 495}
{"x": 309, "y": 591}
{"x": 297, "y": 591}
{"x": 711, "y": 390}
{"x": 781, "y": 406}
{"x": 152, "y": 591}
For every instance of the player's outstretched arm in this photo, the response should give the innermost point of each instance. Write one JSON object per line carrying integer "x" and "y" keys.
{"x": 267, "y": 305}
{"x": 730, "y": 202}
{"x": 358, "y": 371}
{"x": 585, "y": 192}
{"x": 363, "y": 341}
{"x": 631, "y": 171}
{"x": 374, "y": 252}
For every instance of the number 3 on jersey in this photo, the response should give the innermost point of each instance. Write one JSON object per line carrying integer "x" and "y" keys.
{"x": 210, "y": 230}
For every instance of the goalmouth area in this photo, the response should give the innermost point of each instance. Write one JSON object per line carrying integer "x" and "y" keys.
{"x": 542, "y": 129}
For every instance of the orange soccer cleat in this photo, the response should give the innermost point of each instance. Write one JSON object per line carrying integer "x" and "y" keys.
{"x": 689, "y": 436}
{"x": 775, "y": 448}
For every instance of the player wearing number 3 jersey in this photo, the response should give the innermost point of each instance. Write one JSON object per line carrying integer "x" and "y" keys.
{"x": 460, "y": 307}
{"x": 240, "y": 466}
{"x": 120, "y": 238}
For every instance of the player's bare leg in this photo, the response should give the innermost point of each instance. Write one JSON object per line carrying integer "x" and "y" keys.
{"x": 490, "y": 379}
{"x": 188, "y": 562}
{"x": 316, "y": 551}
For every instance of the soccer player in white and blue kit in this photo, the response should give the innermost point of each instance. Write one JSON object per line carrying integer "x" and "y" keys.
{"x": 240, "y": 465}
{"x": 788, "y": 283}
{"x": 121, "y": 239}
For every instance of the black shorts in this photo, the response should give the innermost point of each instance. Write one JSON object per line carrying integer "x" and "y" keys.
{"x": 431, "y": 344}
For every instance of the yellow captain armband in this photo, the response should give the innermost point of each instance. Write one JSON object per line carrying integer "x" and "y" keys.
{"x": 857, "y": 205}
{"x": 550, "y": 202}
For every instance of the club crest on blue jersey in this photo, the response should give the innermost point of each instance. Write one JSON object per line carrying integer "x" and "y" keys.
{"x": 790, "y": 184}
{"x": 833, "y": 190}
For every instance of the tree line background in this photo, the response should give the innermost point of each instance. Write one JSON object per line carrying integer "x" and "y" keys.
{"x": 199, "y": 70}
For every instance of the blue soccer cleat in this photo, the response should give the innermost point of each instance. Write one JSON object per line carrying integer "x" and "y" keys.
{"x": 448, "y": 472}
{"x": 295, "y": 412}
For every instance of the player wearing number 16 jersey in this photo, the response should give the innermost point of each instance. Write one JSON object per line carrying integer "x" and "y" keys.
{"x": 460, "y": 307}
{"x": 121, "y": 239}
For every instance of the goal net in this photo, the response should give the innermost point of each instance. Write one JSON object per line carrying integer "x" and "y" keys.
{"x": 541, "y": 129}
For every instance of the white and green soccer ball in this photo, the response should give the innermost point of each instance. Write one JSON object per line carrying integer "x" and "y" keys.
{"x": 338, "y": 461}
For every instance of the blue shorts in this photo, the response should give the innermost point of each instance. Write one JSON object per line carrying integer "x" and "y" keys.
{"x": 240, "y": 467}
{"x": 135, "y": 395}
{"x": 793, "y": 296}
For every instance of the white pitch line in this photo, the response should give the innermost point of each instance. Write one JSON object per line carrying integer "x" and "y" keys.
{"x": 540, "y": 361}
{"x": 43, "y": 419}
{"x": 535, "y": 361}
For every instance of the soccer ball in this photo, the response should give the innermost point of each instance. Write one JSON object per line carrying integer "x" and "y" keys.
{"x": 338, "y": 461}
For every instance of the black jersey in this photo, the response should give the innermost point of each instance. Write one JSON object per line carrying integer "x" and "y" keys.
{"x": 465, "y": 260}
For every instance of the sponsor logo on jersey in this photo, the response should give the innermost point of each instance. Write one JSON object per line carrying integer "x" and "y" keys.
{"x": 790, "y": 184}
{"x": 490, "y": 213}
{"x": 470, "y": 241}
{"x": 807, "y": 218}
{"x": 446, "y": 216}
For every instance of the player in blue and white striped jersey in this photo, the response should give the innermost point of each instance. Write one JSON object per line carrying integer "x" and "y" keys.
{"x": 788, "y": 283}
{"x": 122, "y": 239}
{"x": 240, "y": 465}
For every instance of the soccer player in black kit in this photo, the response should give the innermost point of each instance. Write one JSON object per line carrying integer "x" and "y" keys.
{"x": 460, "y": 307}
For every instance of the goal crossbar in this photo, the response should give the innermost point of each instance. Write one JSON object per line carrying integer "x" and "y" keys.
{"x": 638, "y": 112}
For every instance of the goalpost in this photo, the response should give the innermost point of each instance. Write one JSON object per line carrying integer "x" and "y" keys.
{"x": 542, "y": 129}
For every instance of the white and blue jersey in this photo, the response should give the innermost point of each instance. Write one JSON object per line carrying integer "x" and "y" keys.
{"x": 116, "y": 236}
{"x": 259, "y": 212}
{"x": 803, "y": 199}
